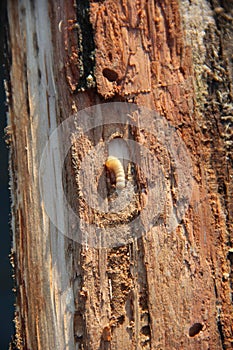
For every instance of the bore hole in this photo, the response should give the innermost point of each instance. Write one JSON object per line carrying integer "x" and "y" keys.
{"x": 110, "y": 74}
{"x": 110, "y": 56}
{"x": 121, "y": 319}
{"x": 195, "y": 329}
{"x": 145, "y": 330}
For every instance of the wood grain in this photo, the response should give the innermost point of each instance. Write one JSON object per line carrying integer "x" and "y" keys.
{"x": 172, "y": 57}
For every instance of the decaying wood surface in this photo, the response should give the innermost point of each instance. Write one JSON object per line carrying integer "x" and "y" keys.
{"x": 163, "y": 290}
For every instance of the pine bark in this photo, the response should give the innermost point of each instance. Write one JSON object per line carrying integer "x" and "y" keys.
{"x": 163, "y": 290}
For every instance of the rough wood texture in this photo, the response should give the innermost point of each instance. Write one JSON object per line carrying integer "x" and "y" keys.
{"x": 163, "y": 290}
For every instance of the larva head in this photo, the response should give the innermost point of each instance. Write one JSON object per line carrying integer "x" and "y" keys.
{"x": 111, "y": 162}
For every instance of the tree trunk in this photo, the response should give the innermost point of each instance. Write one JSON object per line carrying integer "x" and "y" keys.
{"x": 147, "y": 266}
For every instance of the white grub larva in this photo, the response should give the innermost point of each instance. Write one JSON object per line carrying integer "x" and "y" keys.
{"x": 114, "y": 165}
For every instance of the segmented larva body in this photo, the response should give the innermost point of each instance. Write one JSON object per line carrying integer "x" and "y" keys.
{"x": 114, "y": 164}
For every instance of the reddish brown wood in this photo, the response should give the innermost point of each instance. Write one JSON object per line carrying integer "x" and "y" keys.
{"x": 164, "y": 290}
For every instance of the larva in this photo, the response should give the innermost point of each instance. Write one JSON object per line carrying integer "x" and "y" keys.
{"x": 114, "y": 164}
